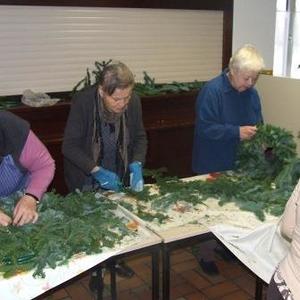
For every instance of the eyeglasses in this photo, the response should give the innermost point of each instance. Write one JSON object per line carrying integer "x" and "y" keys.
{"x": 124, "y": 99}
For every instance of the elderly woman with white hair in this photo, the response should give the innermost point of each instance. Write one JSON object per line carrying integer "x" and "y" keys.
{"x": 227, "y": 111}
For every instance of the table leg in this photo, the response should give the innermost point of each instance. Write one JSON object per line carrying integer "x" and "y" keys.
{"x": 155, "y": 274}
{"x": 166, "y": 272}
{"x": 258, "y": 288}
{"x": 100, "y": 285}
{"x": 113, "y": 285}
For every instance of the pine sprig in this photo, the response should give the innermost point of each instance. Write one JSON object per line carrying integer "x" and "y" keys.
{"x": 77, "y": 223}
{"x": 267, "y": 171}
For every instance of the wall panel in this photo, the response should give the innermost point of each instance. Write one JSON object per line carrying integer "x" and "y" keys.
{"x": 48, "y": 48}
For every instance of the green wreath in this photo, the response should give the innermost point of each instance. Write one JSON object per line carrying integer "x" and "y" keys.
{"x": 267, "y": 154}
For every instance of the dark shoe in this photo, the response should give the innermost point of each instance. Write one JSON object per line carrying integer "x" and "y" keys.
{"x": 94, "y": 283}
{"x": 123, "y": 270}
{"x": 209, "y": 267}
{"x": 225, "y": 254}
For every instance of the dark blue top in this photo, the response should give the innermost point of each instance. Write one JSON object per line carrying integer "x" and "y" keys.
{"x": 220, "y": 111}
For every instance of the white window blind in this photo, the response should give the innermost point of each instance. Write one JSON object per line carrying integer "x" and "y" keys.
{"x": 47, "y": 49}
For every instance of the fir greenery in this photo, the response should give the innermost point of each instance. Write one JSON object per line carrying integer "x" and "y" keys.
{"x": 267, "y": 153}
{"x": 266, "y": 172}
{"x": 7, "y": 103}
{"x": 79, "y": 222}
{"x": 146, "y": 88}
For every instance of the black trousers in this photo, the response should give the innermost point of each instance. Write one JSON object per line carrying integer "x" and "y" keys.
{"x": 273, "y": 292}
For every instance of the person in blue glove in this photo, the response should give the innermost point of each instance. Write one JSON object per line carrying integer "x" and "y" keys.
{"x": 136, "y": 176}
{"x": 105, "y": 144}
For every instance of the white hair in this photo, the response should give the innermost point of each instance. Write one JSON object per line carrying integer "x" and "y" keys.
{"x": 246, "y": 58}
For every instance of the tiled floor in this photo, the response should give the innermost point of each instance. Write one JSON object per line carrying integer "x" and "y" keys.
{"x": 188, "y": 282}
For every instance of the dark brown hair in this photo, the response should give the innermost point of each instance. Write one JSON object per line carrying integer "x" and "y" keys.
{"x": 116, "y": 76}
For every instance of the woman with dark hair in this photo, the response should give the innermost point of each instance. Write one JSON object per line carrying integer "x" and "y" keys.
{"x": 105, "y": 142}
{"x": 26, "y": 166}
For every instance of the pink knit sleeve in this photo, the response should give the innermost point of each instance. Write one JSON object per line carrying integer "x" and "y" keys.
{"x": 39, "y": 163}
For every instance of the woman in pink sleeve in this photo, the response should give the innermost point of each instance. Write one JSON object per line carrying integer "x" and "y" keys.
{"x": 25, "y": 165}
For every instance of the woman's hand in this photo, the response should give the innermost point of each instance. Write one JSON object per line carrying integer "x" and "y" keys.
{"x": 5, "y": 220}
{"x": 247, "y": 132}
{"x": 25, "y": 211}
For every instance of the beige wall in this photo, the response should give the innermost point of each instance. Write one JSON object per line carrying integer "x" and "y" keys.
{"x": 281, "y": 103}
{"x": 250, "y": 25}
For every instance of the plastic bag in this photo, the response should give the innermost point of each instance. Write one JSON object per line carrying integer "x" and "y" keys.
{"x": 37, "y": 99}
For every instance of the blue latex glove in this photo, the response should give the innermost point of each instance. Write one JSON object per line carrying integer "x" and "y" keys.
{"x": 108, "y": 180}
{"x": 136, "y": 176}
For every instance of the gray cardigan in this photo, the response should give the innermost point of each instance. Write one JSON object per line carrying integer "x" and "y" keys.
{"x": 78, "y": 136}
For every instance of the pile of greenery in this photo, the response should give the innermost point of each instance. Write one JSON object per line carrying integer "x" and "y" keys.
{"x": 91, "y": 77}
{"x": 146, "y": 88}
{"x": 266, "y": 173}
{"x": 7, "y": 103}
{"x": 77, "y": 223}
{"x": 150, "y": 88}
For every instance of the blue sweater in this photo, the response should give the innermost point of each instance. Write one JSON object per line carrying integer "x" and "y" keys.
{"x": 220, "y": 111}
